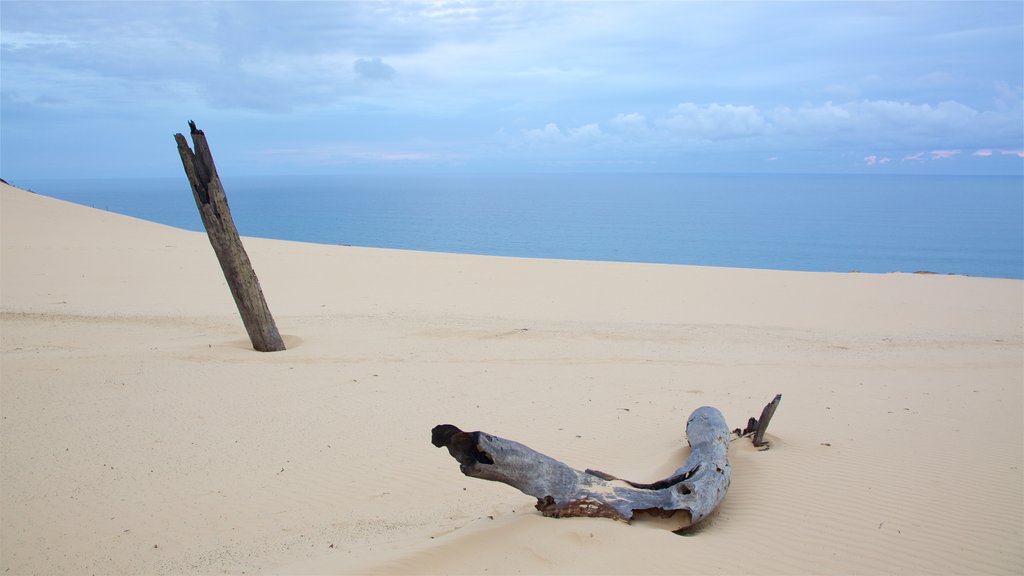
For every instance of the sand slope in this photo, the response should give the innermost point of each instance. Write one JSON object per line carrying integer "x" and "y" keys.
{"x": 141, "y": 435}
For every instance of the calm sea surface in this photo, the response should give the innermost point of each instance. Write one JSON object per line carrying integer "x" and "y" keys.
{"x": 945, "y": 224}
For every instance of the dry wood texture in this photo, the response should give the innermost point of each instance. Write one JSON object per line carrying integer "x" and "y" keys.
{"x": 220, "y": 227}
{"x": 695, "y": 489}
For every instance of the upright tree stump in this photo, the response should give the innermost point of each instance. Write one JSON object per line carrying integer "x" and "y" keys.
{"x": 213, "y": 209}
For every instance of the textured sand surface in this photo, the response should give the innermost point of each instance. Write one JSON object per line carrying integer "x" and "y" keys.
{"x": 141, "y": 435}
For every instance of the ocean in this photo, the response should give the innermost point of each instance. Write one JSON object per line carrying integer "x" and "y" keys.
{"x": 972, "y": 225}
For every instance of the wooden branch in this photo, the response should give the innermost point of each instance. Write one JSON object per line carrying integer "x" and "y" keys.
{"x": 220, "y": 227}
{"x": 757, "y": 427}
{"x": 762, "y": 423}
{"x": 695, "y": 489}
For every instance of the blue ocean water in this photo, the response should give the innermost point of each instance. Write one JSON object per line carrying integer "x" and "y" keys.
{"x": 970, "y": 225}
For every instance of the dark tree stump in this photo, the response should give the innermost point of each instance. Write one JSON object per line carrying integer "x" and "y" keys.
{"x": 762, "y": 423}
{"x": 220, "y": 227}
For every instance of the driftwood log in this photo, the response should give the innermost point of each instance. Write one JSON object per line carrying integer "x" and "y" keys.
{"x": 694, "y": 490}
{"x": 220, "y": 227}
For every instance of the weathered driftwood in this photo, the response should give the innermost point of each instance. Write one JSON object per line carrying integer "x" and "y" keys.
{"x": 695, "y": 489}
{"x": 220, "y": 227}
{"x": 762, "y": 423}
{"x": 757, "y": 427}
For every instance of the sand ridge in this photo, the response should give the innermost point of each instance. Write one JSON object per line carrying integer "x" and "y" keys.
{"x": 140, "y": 435}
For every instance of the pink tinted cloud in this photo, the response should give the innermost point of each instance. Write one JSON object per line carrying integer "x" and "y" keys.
{"x": 915, "y": 157}
{"x": 944, "y": 154}
{"x": 870, "y": 160}
{"x": 884, "y": 160}
{"x": 986, "y": 152}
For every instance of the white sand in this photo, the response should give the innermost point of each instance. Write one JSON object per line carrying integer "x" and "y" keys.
{"x": 140, "y": 435}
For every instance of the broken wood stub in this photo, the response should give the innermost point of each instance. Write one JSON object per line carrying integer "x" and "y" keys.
{"x": 762, "y": 422}
{"x": 756, "y": 428}
{"x": 561, "y": 491}
{"x": 220, "y": 227}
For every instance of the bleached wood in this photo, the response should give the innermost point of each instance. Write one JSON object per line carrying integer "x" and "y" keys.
{"x": 696, "y": 488}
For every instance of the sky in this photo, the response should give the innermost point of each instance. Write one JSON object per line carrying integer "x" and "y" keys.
{"x": 97, "y": 89}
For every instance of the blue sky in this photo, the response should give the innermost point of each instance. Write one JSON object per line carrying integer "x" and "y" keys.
{"x": 98, "y": 89}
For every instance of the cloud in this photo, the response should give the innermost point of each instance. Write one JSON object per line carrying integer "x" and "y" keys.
{"x": 714, "y": 121}
{"x": 373, "y": 69}
{"x": 450, "y": 10}
{"x": 638, "y": 81}
{"x": 887, "y": 113}
{"x": 885, "y": 118}
{"x": 549, "y": 134}
{"x": 810, "y": 119}
{"x": 341, "y": 154}
{"x": 633, "y": 122}
{"x": 585, "y": 133}
{"x": 22, "y": 40}
{"x": 552, "y": 134}
{"x": 1008, "y": 97}
{"x": 935, "y": 155}
{"x": 987, "y": 152}
{"x": 896, "y": 126}
{"x": 897, "y": 123}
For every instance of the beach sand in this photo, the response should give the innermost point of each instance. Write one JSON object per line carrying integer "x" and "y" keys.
{"x": 141, "y": 435}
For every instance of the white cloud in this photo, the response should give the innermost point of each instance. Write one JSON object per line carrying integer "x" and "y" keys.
{"x": 810, "y": 119}
{"x": 634, "y": 123}
{"x": 344, "y": 154}
{"x": 19, "y": 40}
{"x": 889, "y": 114}
{"x": 549, "y": 134}
{"x": 898, "y": 127}
{"x": 880, "y": 119}
{"x": 715, "y": 121}
{"x": 552, "y": 134}
{"x": 450, "y": 10}
{"x": 585, "y": 133}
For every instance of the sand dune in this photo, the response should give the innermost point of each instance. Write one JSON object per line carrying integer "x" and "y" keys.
{"x": 141, "y": 435}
